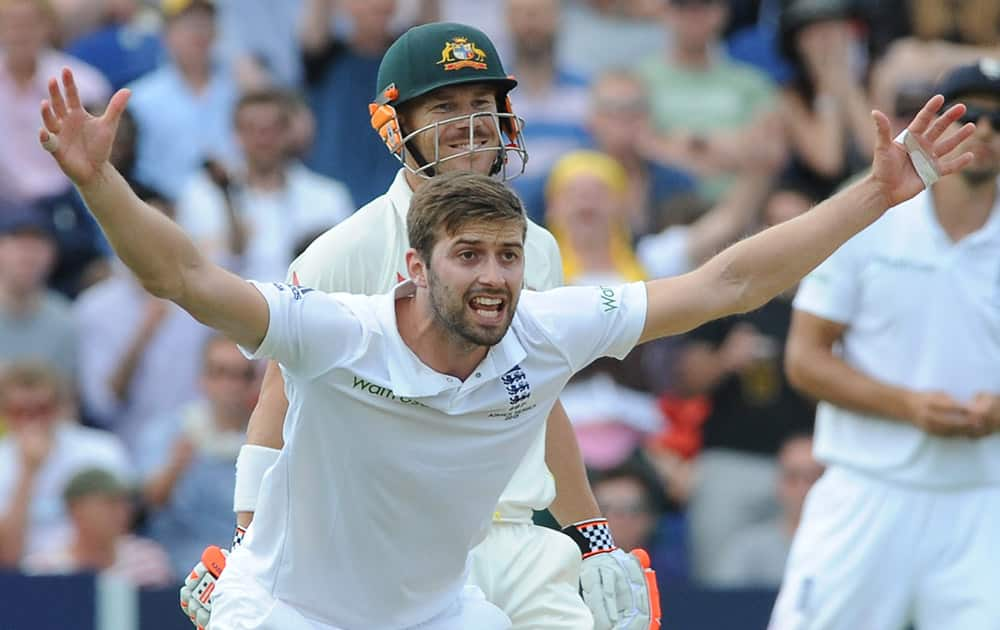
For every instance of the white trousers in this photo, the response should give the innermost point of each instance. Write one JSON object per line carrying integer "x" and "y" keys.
{"x": 533, "y": 574}
{"x": 241, "y": 603}
{"x": 876, "y": 555}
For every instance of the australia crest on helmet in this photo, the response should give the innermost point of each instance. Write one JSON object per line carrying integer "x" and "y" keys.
{"x": 460, "y": 53}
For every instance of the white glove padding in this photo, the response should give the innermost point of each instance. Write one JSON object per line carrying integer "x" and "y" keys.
{"x": 615, "y": 589}
{"x": 196, "y": 594}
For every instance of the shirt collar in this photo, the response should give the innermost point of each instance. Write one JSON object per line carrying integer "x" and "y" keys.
{"x": 410, "y": 377}
{"x": 400, "y": 193}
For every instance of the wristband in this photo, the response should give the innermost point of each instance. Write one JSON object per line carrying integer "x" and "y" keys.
{"x": 592, "y": 536}
{"x": 251, "y": 464}
{"x": 238, "y": 536}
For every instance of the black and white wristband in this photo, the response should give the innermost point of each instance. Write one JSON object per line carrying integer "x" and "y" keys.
{"x": 591, "y": 536}
{"x": 238, "y": 536}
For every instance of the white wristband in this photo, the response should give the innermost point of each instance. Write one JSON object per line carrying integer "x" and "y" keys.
{"x": 251, "y": 464}
{"x": 925, "y": 169}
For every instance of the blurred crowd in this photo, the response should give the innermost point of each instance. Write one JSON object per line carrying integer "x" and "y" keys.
{"x": 659, "y": 131}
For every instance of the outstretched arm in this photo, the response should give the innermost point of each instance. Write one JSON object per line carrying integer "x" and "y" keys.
{"x": 750, "y": 273}
{"x": 157, "y": 251}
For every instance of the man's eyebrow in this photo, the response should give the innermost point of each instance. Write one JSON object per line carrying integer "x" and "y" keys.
{"x": 479, "y": 241}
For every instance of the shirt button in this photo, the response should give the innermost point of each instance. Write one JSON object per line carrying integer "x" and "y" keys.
{"x": 479, "y": 375}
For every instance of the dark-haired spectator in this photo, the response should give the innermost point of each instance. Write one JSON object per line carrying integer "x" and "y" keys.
{"x": 100, "y": 510}
{"x": 755, "y": 556}
{"x": 825, "y": 107}
{"x": 42, "y": 450}
{"x": 340, "y": 84}
{"x": 251, "y": 219}
{"x": 187, "y": 457}
{"x": 26, "y": 63}
{"x": 125, "y": 45}
{"x": 35, "y": 323}
{"x": 174, "y": 140}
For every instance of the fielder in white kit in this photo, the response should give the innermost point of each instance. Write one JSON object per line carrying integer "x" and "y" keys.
{"x": 904, "y": 527}
{"x": 444, "y": 381}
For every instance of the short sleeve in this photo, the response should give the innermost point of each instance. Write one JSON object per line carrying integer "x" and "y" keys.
{"x": 309, "y": 332}
{"x": 831, "y": 290}
{"x": 585, "y": 323}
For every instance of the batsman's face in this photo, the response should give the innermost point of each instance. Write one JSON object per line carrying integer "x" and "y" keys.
{"x": 474, "y": 279}
{"x": 476, "y": 139}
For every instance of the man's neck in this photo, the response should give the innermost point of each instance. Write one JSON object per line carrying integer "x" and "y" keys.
{"x": 93, "y": 555}
{"x": 962, "y": 207}
{"x": 268, "y": 178}
{"x": 229, "y": 417}
{"x": 196, "y": 77}
{"x": 18, "y": 303}
{"x": 436, "y": 348}
{"x": 21, "y": 70}
{"x": 693, "y": 57}
{"x": 536, "y": 72}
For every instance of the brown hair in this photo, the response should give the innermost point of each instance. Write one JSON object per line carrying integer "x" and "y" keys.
{"x": 450, "y": 201}
{"x": 32, "y": 375}
{"x": 281, "y": 99}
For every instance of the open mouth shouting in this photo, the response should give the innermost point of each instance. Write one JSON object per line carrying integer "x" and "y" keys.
{"x": 489, "y": 310}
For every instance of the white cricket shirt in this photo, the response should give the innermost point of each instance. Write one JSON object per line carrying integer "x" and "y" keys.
{"x": 922, "y": 312}
{"x": 390, "y": 470}
{"x": 365, "y": 255}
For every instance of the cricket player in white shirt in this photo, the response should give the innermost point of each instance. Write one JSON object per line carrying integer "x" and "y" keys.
{"x": 442, "y": 106}
{"x": 904, "y": 527}
{"x": 369, "y": 515}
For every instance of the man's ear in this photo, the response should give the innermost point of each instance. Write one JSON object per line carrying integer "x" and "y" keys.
{"x": 416, "y": 268}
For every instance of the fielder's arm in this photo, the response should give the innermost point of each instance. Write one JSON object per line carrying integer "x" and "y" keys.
{"x": 750, "y": 273}
{"x": 157, "y": 251}
{"x": 813, "y": 368}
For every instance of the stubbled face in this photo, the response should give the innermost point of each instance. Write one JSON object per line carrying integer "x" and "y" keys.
{"x": 623, "y": 502}
{"x": 453, "y": 138}
{"x": 474, "y": 279}
{"x": 984, "y": 144}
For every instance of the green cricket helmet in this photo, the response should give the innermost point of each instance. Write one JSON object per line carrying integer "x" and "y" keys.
{"x": 436, "y": 55}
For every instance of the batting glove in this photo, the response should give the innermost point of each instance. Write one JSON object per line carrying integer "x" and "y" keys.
{"x": 619, "y": 588}
{"x": 196, "y": 594}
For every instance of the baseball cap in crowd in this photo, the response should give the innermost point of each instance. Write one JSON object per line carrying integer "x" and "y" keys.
{"x": 982, "y": 77}
{"x": 93, "y": 481}
{"x": 798, "y": 14}
{"x": 19, "y": 218}
{"x": 175, "y": 8}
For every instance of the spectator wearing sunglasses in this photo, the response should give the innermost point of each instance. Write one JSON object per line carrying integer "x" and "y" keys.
{"x": 186, "y": 457}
